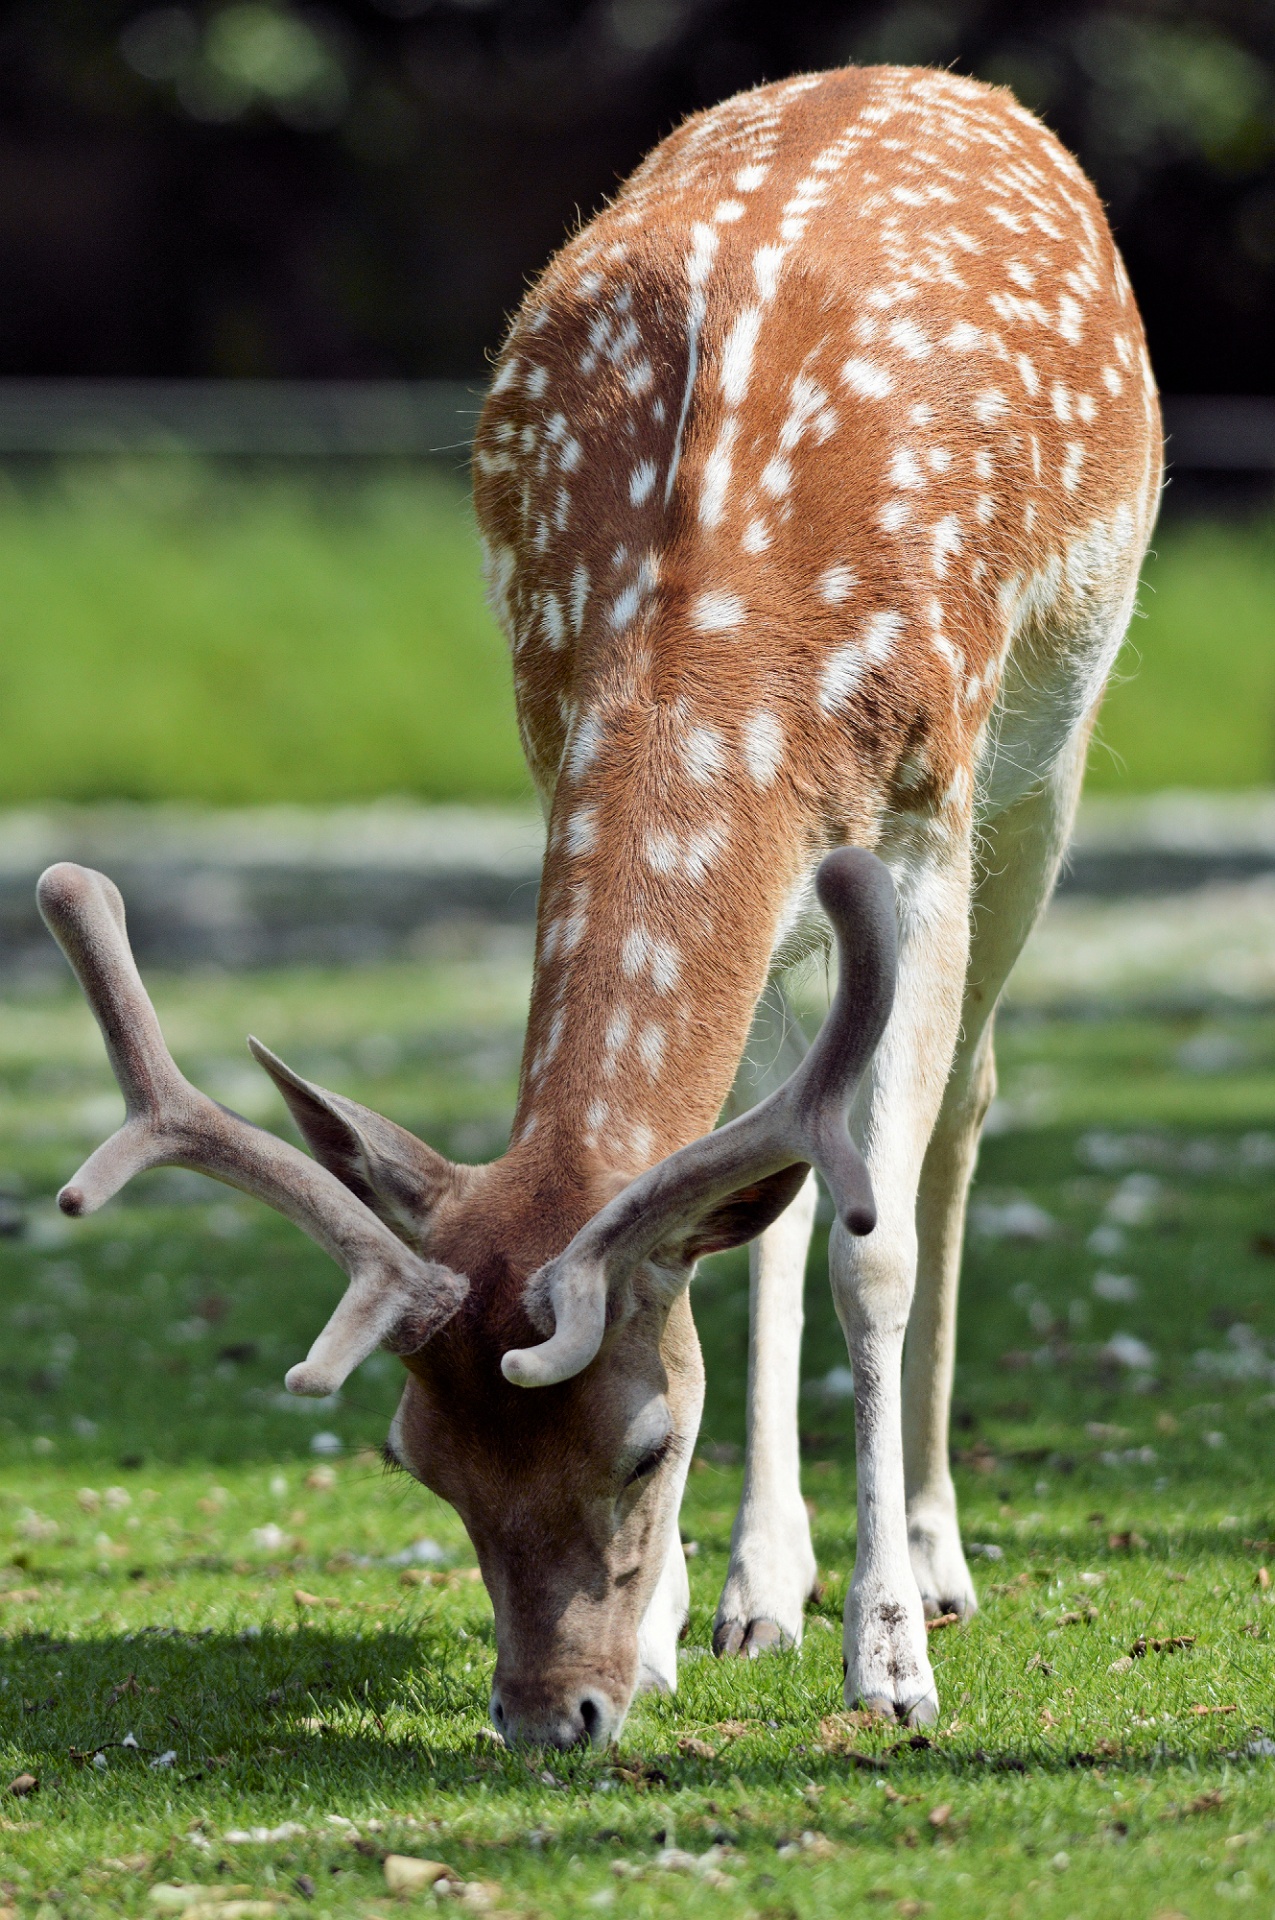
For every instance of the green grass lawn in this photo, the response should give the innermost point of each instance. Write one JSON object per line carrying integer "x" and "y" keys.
{"x": 181, "y": 1569}
{"x": 175, "y": 632}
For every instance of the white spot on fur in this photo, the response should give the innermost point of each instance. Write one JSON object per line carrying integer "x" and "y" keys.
{"x": 582, "y": 831}
{"x": 650, "y": 1047}
{"x": 944, "y": 542}
{"x": 763, "y": 746}
{"x": 586, "y": 738}
{"x": 642, "y": 482}
{"x": 737, "y": 356}
{"x": 579, "y": 596}
{"x": 756, "y": 538}
{"x": 990, "y": 406}
{"x": 767, "y": 262}
{"x": 840, "y": 677}
{"x": 893, "y": 515}
{"x": 880, "y": 634}
{"x": 551, "y": 620}
{"x": 776, "y": 476}
{"x": 836, "y": 583}
{"x": 868, "y": 381}
{"x": 910, "y": 339}
{"x": 717, "y": 612}
{"x": 717, "y": 476}
{"x": 705, "y": 756}
{"x": 905, "y": 469}
{"x": 846, "y": 668}
{"x": 1073, "y": 460}
{"x": 666, "y": 966}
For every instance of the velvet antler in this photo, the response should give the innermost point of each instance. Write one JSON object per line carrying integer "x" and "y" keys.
{"x": 394, "y": 1298}
{"x": 756, "y": 1163}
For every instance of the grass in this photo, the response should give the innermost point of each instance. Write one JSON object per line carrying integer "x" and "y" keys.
{"x": 1193, "y": 703}
{"x": 180, "y": 1564}
{"x": 171, "y": 632}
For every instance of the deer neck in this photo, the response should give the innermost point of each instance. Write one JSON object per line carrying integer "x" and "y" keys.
{"x": 659, "y": 911}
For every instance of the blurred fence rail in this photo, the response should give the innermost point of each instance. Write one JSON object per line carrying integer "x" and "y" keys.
{"x": 275, "y": 886}
{"x": 334, "y": 419}
{"x": 322, "y": 419}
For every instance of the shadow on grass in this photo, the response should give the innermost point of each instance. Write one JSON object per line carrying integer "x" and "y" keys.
{"x": 255, "y": 1725}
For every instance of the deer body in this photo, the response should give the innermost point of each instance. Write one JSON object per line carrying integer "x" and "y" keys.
{"x": 814, "y": 478}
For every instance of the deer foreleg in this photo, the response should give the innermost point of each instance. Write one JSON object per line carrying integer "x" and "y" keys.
{"x": 772, "y": 1561}
{"x": 873, "y": 1278}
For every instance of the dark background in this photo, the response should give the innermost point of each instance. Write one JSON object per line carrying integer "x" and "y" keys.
{"x": 362, "y": 188}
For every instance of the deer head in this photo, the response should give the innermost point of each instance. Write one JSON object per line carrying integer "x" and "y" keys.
{"x": 553, "y": 1391}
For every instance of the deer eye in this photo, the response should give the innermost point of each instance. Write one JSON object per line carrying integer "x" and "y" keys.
{"x": 647, "y": 1465}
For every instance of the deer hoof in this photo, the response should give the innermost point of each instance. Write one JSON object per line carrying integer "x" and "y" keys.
{"x": 749, "y": 1638}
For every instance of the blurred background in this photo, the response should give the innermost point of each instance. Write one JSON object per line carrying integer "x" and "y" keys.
{"x": 254, "y": 258}
{"x": 266, "y": 248}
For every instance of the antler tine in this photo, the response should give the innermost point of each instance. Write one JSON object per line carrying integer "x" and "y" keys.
{"x": 393, "y": 1296}
{"x": 805, "y": 1121}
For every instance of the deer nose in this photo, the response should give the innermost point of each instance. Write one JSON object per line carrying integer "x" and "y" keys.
{"x": 587, "y": 1718}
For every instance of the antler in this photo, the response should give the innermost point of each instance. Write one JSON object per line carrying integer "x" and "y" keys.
{"x": 394, "y": 1297}
{"x": 766, "y": 1151}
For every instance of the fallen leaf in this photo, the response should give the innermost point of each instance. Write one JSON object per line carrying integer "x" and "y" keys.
{"x": 172, "y": 1896}
{"x": 234, "y": 1910}
{"x": 1128, "y": 1542}
{"x": 942, "y": 1620}
{"x": 1122, "y": 1665}
{"x": 1038, "y": 1664}
{"x": 1078, "y": 1617}
{"x": 939, "y": 1816}
{"x": 1201, "y": 1712}
{"x": 696, "y": 1749}
{"x": 404, "y": 1874}
{"x": 304, "y": 1599}
{"x": 1046, "y": 1718}
{"x": 1262, "y": 1578}
{"x": 20, "y": 1596}
{"x": 23, "y": 1784}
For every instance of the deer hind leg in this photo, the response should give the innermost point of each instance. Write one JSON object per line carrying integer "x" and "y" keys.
{"x": 1018, "y": 862}
{"x": 772, "y": 1562}
{"x": 884, "y": 1643}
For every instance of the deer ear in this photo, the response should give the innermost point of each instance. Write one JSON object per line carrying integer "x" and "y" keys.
{"x": 390, "y": 1170}
{"x": 741, "y": 1216}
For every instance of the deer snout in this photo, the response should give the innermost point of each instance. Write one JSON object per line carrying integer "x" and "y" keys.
{"x": 582, "y": 1717}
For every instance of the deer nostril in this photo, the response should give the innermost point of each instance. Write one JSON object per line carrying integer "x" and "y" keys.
{"x": 591, "y": 1715}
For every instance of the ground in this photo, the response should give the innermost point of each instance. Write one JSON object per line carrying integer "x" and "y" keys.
{"x": 195, "y": 1564}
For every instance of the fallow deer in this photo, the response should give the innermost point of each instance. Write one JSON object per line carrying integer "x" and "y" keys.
{"x": 815, "y": 477}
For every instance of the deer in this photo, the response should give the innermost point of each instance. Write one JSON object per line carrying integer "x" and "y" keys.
{"x": 814, "y": 479}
